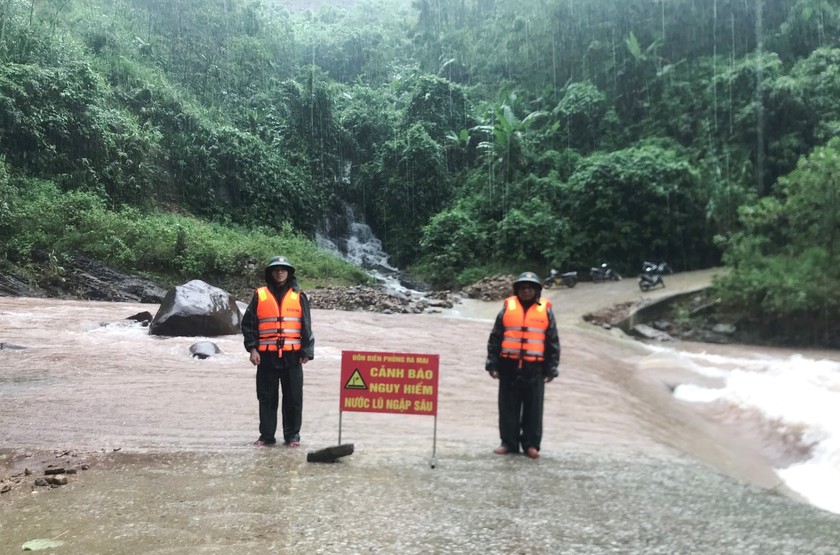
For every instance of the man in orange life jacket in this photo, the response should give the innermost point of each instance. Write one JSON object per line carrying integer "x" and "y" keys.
{"x": 278, "y": 335}
{"x": 523, "y": 353}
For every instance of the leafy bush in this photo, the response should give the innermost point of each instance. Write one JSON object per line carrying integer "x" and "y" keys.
{"x": 451, "y": 242}
{"x": 59, "y": 124}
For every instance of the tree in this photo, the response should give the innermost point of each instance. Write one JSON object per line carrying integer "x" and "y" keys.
{"x": 810, "y": 24}
{"x": 636, "y": 204}
{"x": 506, "y": 147}
{"x": 581, "y": 114}
{"x": 439, "y": 106}
{"x": 452, "y": 242}
{"x": 785, "y": 262}
{"x": 61, "y": 123}
{"x": 408, "y": 185}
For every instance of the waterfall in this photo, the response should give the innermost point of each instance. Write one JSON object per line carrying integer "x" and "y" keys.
{"x": 342, "y": 233}
{"x": 354, "y": 241}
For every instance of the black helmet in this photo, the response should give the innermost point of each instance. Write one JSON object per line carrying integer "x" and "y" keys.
{"x": 528, "y": 277}
{"x": 280, "y": 261}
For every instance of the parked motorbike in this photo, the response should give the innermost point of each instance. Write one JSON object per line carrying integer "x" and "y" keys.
{"x": 569, "y": 279}
{"x": 603, "y": 273}
{"x": 651, "y": 275}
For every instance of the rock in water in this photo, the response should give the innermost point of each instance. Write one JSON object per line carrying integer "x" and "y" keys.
{"x": 11, "y": 347}
{"x": 330, "y": 454}
{"x": 144, "y": 317}
{"x": 196, "y": 309}
{"x": 204, "y": 349}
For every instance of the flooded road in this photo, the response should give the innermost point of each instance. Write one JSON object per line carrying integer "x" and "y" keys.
{"x": 626, "y": 468}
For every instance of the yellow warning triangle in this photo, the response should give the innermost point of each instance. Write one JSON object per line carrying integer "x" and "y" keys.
{"x": 355, "y": 381}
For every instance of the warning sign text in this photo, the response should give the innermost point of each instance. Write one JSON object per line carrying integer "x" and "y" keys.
{"x": 389, "y": 382}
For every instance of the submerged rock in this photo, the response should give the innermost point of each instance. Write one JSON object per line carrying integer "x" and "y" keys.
{"x": 11, "y": 347}
{"x": 144, "y": 317}
{"x": 204, "y": 349}
{"x": 648, "y": 332}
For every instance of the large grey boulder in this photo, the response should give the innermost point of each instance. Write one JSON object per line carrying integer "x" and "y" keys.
{"x": 196, "y": 309}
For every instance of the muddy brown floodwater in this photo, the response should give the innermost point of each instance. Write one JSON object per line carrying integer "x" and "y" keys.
{"x": 166, "y": 440}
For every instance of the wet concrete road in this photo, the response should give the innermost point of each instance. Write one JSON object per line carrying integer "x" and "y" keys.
{"x": 271, "y": 501}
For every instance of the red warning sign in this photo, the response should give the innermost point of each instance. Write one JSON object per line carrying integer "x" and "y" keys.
{"x": 405, "y": 383}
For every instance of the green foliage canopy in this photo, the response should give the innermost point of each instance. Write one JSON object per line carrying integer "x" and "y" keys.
{"x": 637, "y": 204}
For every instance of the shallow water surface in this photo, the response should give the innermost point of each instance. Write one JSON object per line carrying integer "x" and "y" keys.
{"x": 625, "y": 467}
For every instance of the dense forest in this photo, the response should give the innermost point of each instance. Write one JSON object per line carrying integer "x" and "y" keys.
{"x": 185, "y": 138}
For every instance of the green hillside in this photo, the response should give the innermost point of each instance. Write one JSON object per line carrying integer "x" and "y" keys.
{"x": 473, "y": 136}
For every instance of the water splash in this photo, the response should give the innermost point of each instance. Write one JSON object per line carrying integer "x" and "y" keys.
{"x": 794, "y": 393}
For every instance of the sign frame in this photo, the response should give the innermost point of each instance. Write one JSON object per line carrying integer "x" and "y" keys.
{"x": 390, "y": 382}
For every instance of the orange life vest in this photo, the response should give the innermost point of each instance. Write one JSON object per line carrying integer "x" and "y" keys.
{"x": 524, "y": 335}
{"x": 279, "y": 326}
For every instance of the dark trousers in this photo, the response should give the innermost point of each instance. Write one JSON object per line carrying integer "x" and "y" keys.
{"x": 275, "y": 375}
{"x": 521, "y": 395}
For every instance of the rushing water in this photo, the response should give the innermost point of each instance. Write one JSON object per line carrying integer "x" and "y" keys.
{"x": 797, "y": 395}
{"x": 355, "y": 242}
